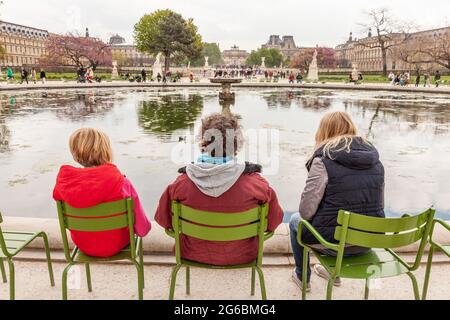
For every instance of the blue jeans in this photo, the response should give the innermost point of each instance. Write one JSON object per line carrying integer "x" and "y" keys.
{"x": 298, "y": 249}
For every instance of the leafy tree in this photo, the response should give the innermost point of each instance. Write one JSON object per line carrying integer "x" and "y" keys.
{"x": 210, "y": 50}
{"x": 274, "y": 58}
{"x": 325, "y": 58}
{"x": 121, "y": 59}
{"x": 170, "y": 113}
{"x": 168, "y": 32}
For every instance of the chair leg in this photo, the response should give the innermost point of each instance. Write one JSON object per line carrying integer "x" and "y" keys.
{"x": 262, "y": 283}
{"x": 12, "y": 291}
{"x": 2, "y": 268}
{"x": 330, "y": 288}
{"x": 253, "y": 281}
{"x": 64, "y": 281}
{"x": 305, "y": 272}
{"x": 88, "y": 277}
{"x": 366, "y": 289}
{"x": 140, "y": 272}
{"x": 141, "y": 262}
{"x": 427, "y": 273}
{"x": 188, "y": 280}
{"x": 415, "y": 286}
{"x": 173, "y": 280}
{"x": 49, "y": 259}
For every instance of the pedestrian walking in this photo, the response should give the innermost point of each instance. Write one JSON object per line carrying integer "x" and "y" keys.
{"x": 43, "y": 76}
{"x": 10, "y": 74}
{"x": 437, "y": 78}
{"x": 23, "y": 75}
{"x": 144, "y": 75}
{"x": 426, "y": 77}
{"x": 417, "y": 80}
{"x": 33, "y": 75}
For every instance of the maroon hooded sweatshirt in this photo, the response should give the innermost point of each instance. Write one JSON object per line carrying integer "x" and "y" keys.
{"x": 219, "y": 188}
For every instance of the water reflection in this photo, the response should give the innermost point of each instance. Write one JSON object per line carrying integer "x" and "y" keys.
{"x": 170, "y": 113}
{"x": 411, "y": 132}
{"x": 72, "y": 106}
{"x": 317, "y": 101}
{"x": 413, "y": 114}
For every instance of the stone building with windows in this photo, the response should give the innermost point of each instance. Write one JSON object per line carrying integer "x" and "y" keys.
{"x": 23, "y": 45}
{"x": 235, "y": 56}
{"x": 127, "y": 55}
{"x": 365, "y": 56}
{"x": 286, "y": 45}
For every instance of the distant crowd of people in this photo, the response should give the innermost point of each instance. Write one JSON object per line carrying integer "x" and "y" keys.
{"x": 25, "y": 74}
{"x": 86, "y": 75}
{"x": 160, "y": 77}
{"x": 404, "y": 79}
{"x": 249, "y": 72}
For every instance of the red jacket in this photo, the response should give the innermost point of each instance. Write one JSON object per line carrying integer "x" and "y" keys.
{"x": 87, "y": 187}
{"x": 249, "y": 191}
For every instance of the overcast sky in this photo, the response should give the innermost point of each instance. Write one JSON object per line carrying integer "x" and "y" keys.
{"x": 246, "y": 23}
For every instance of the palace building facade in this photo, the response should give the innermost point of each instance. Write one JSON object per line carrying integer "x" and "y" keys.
{"x": 365, "y": 56}
{"x": 127, "y": 54}
{"x": 286, "y": 45}
{"x": 235, "y": 56}
{"x": 23, "y": 45}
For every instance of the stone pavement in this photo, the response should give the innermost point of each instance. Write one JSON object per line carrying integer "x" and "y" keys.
{"x": 118, "y": 281}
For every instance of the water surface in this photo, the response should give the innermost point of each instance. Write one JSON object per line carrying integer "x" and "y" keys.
{"x": 148, "y": 128}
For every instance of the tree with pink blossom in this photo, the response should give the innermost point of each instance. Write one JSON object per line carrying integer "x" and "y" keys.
{"x": 75, "y": 50}
{"x": 326, "y": 58}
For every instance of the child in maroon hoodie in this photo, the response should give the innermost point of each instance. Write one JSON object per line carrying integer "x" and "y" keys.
{"x": 99, "y": 181}
{"x": 218, "y": 183}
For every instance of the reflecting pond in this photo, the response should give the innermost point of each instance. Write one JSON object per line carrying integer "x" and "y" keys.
{"x": 149, "y": 127}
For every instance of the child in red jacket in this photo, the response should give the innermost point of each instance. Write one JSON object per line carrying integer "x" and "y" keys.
{"x": 98, "y": 181}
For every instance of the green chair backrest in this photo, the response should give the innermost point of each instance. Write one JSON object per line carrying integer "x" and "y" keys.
{"x": 216, "y": 226}
{"x": 3, "y": 246}
{"x": 387, "y": 233}
{"x": 103, "y": 217}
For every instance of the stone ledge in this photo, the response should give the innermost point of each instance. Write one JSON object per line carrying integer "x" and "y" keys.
{"x": 57, "y": 85}
{"x": 157, "y": 241}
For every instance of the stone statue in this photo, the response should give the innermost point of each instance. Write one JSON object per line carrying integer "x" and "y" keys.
{"x": 157, "y": 66}
{"x": 263, "y": 62}
{"x": 313, "y": 73}
{"x": 115, "y": 73}
{"x": 206, "y": 62}
{"x": 355, "y": 73}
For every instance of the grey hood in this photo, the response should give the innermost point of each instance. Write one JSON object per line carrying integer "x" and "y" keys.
{"x": 214, "y": 179}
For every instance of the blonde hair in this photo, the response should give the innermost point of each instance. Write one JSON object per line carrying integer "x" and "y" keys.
{"x": 90, "y": 147}
{"x": 336, "y": 132}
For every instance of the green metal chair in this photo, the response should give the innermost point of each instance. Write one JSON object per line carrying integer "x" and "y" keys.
{"x": 434, "y": 246}
{"x": 384, "y": 234}
{"x": 102, "y": 217}
{"x": 12, "y": 243}
{"x": 214, "y": 226}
